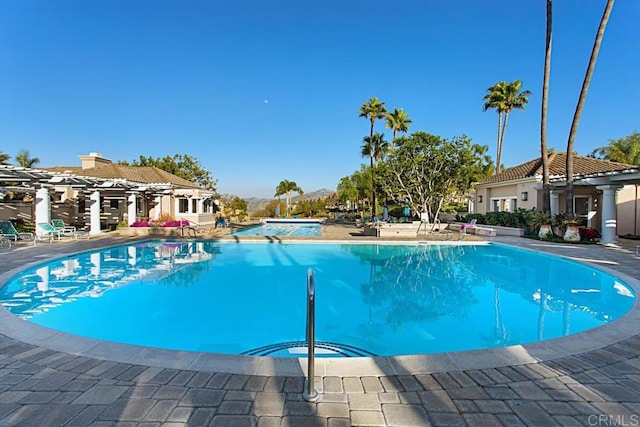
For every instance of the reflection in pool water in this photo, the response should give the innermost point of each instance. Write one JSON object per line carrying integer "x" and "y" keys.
{"x": 371, "y": 299}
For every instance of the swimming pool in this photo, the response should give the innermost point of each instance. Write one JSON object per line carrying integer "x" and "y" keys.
{"x": 372, "y": 299}
{"x": 300, "y": 229}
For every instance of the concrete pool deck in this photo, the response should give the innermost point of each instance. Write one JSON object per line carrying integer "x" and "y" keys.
{"x": 50, "y": 378}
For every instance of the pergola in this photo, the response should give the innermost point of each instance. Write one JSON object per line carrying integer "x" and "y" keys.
{"x": 609, "y": 183}
{"x": 41, "y": 182}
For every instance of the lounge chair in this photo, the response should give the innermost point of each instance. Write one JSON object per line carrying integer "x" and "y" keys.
{"x": 59, "y": 225}
{"x": 468, "y": 226}
{"x": 46, "y": 231}
{"x": 5, "y": 239}
{"x": 8, "y": 230}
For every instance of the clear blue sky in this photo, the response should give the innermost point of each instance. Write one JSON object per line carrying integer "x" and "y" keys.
{"x": 261, "y": 91}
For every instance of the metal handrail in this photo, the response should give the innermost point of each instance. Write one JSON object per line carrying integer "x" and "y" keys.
{"x": 310, "y": 394}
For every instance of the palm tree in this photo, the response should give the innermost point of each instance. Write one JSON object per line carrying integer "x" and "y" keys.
{"x": 623, "y": 150}
{"x": 493, "y": 101}
{"x": 23, "y": 159}
{"x": 376, "y": 148}
{"x": 504, "y": 98}
{"x": 399, "y": 121}
{"x": 287, "y": 187}
{"x": 544, "y": 155}
{"x": 372, "y": 110}
{"x": 3, "y": 158}
{"x": 581, "y": 99}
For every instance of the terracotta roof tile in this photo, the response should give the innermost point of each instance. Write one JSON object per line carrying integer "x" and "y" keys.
{"x": 557, "y": 165}
{"x": 139, "y": 174}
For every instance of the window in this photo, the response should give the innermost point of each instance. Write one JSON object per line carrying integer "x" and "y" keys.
{"x": 507, "y": 204}
{"x": 194, "y": 205}
{"x": 183, "y": 205}
{"x": 207, "y": 206}
{"x": 114, "y": 204}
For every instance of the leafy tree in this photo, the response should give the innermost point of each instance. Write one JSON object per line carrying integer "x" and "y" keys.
{"x": 399, "y": 121}
{"x": 581, "y": 99}
{"x": 181, "y": 165}
{"x": 355, "y": 188}
{"x": 347, "y": 191}
{"x": 504, "y": 98}
{"x": 235, "y": 206}
{"x": 4, "y": 158}
{"x": 312, "y": 207}
{"x": 288, "y": 187}
{"x": 623, "y": 150}
{"x": 25, "y": 160}
{"x": 269, "y": 209}
{"x": 544, "y": 153}
{"x": 372, "y": 110}
{"x": 427, "y": 170}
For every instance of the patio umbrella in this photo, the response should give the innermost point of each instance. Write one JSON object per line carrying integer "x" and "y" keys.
{"x": 385, "y": 212}
{"x": 278, "y": 209}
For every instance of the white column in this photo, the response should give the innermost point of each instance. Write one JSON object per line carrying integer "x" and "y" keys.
{"x": 131, "y": 209}
{"x": 157, "y": 210}
{"x": 43, "y": 206}
{"x": 609, "y": 223}
{"x": 555, "y": 202}
{"x": 200, "y": 206}
{"x": 94, "y": 211}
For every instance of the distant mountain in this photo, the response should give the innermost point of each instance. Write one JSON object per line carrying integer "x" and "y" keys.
{"x": 315, "y": 194}
{"x": 255, "y": 204}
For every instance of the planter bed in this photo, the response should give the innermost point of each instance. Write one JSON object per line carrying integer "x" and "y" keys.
{"x": 148, "y": 231}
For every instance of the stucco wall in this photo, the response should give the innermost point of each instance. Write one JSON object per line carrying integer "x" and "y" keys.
{"x": 628, "y": 210}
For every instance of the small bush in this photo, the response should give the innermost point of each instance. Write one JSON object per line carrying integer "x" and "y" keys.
{"x": 588, "y": 234}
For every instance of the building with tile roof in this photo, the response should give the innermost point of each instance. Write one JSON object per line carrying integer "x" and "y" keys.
{"x": 102, "y": 194}
{"x": 594, "y": 181}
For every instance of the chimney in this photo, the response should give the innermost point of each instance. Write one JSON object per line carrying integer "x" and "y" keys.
{"x": 93, "y": 160}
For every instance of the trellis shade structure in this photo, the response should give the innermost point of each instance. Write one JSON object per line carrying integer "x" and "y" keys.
{"x": 116, "y": 193}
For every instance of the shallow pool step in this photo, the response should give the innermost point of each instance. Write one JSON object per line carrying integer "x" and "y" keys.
{"x": 299, "y": 349}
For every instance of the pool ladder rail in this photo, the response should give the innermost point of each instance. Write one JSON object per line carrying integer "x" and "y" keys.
{"x": 310, "y": 394}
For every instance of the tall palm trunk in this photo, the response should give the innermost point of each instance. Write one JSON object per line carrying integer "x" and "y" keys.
{"x": 373, "y": 189}
{"x": 499, "y": 146}
{"x": 579, "y": 107}
{"x": 504, "y": 128}
{"x": 546, "y": 189}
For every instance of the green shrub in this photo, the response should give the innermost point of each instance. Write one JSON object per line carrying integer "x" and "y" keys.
{"x": 521, "y": 218}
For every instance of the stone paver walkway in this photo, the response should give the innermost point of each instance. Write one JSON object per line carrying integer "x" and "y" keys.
{"x": 43, "y": 387}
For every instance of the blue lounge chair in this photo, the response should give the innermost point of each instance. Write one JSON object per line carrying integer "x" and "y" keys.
{"x": 59, "y": 225}
{"x": 46, "y": 231}
{"x": 58, "y": 229}
{"x": 10, "y": 232}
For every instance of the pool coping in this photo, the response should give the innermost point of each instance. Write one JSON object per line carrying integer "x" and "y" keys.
{"x": 546, "y": 350}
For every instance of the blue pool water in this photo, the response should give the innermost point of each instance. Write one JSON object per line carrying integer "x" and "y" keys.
{"x": 281, "y": 229}
{"x": 249, "y": 298}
